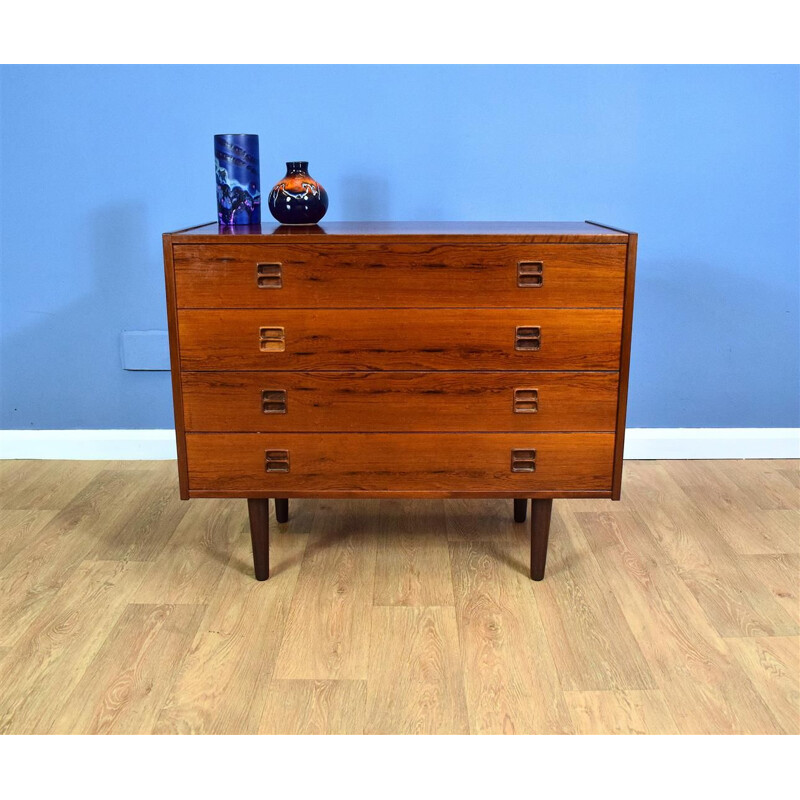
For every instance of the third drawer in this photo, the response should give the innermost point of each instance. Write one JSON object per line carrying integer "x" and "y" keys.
{"x": 399, "y": 401}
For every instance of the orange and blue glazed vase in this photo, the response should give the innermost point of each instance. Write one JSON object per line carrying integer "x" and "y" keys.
{"x": 298, "y": 199}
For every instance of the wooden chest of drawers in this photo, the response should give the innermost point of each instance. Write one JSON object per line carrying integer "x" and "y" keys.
{"x": 400, "y": 359}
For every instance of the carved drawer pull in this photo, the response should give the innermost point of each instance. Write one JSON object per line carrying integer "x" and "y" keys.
{"x": 526, "y": 401}
{"x": 268, "y": 276}
{"x": 530, "y": 274}
{"x": 523, "y": 461}
{"x": 528, "y": 338}
{"x": 276, "y": 461}
{"x": 272, "y": 340}
{"x": 273, "y": 401}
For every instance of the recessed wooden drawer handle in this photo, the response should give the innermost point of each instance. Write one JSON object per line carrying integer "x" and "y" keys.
{"x": 273, "y": 401}
{"x": 272, "y": 340}
{"x": 276, "y": 461}
{"x": 530, "y": 274}
{"x": 526, "y": 401}
{"x": 268, "y": 276}
{"x": 523, "y": 461}
{"x": 528, "y": 338}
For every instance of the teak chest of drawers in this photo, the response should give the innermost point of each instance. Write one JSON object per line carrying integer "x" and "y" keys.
{"x": 400, "y": 360}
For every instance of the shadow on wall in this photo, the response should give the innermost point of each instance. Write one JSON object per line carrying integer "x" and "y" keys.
{"x": 65, "y": 361}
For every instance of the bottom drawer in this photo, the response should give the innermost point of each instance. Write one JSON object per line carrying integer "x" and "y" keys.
{"x": 307, "y": 464}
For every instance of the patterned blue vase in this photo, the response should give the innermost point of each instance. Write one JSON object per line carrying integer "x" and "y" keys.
{"x": 238, "y": 179}
{"x": 297, "y": 199}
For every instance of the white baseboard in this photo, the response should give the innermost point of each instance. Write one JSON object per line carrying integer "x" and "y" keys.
{"x": 688, "y": 443}
{"x": 640, "y": 443}
{"x": 92, "y": 445}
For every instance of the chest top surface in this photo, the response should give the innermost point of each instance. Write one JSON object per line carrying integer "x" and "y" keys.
{"x": 519, "y": 232}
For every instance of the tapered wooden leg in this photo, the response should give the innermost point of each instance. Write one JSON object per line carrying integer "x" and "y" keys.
{"x": 540, "y": 531}
{"x": 281, "y": 509}
{"x": 259, "y": 534}
{"x": 520, "y": 510}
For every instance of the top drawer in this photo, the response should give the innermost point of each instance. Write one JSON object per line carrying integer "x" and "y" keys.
{"x": 399, "y": 275}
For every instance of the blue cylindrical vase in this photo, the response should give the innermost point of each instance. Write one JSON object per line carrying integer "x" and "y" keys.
{"x": 238, "y": 179}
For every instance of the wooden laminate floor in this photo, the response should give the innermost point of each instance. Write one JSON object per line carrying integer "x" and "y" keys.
{"x": 125, "y": 610}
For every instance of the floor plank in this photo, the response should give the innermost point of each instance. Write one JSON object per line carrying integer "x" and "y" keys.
{"x": 31, "y": 579}
{"x": 773, "y": 664}
{"x": 416, "y": 683}
{"x": 17, "y": 529}
{"x": 621, "y": 712}
{"x": 705, "y": 690}
{"x": 481, "y": 520}
{"x": 45, "y": 485}
{"x": 222, "y": 684}
{"x": 125, "y": 685}
{"x": 511, "y": 681}
{"x": 679, "y": 604}
{"x": 327, "y": 633}
{"x": 195, "y": 556}
{"x": 46, "y": 664}
{"x": 315, "y": 707}
{"x": 153, "y": 515}
{"x": 734, "y": 601}
{"x": 780, "y": 574}
{"x": 592, "y": 644}
{"x": 413, "y": 564}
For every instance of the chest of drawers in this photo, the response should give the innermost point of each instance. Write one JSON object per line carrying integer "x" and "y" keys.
{"x": 400, "y": 360}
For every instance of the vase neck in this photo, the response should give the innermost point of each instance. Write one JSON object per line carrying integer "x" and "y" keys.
{"x": 295, "y": 167}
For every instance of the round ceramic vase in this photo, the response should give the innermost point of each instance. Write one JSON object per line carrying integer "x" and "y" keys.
{"x": 238, "y": 179}
{"x": 297, "y": 199}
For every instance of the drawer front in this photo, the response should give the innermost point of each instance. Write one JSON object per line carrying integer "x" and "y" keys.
{"x": 400, "y": 339}
{"x": 406, "y": 275}
{"x": 306, "y": 463}
{"x": 399, "y": 401}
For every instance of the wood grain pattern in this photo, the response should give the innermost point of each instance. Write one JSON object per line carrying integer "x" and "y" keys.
{"x": 328, "y": 630}
{"x": 47, "y": 662}
{"x": 625, "y": 362}
{"x": 417, "y": 686}
{"x": 576, "y": 600}
{"x": 717, "y": 497}
{"x": 36, "y": 485}
{"x": 773, "y": 664}
{"x": 175, "y": 363}
{"x": 780, "y": 574}
{"x": 398, "y": 275}
{"x": 413, "y": 565}
{"x": 512, "y": 684}
{"x": 18, "y": 528}
{"x": 380, "y": 462}
{"x": 399, "y": 401}
{"x": 155, "y": 508}
{"x": 125, "y": 686}
{"x": 400, "y": 339}
{"x": 195, "y": 556}
{"x": 32, "y": 578}
{"x": 470, "y": 520}
{"x": 315, "y": 707}
{"x": 703, "y": 687}
{"x": 221, "y": 686}
{"x": 709, "y": 570}
{"x": 620, "y": 712}
{"x": 84, "y": 654}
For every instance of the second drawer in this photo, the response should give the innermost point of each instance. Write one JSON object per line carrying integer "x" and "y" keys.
{"x": 400, "y": 339}
{"x": 399, "y": 401}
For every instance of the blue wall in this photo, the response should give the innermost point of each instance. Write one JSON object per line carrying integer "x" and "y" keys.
{"x": 702, "y": 161}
